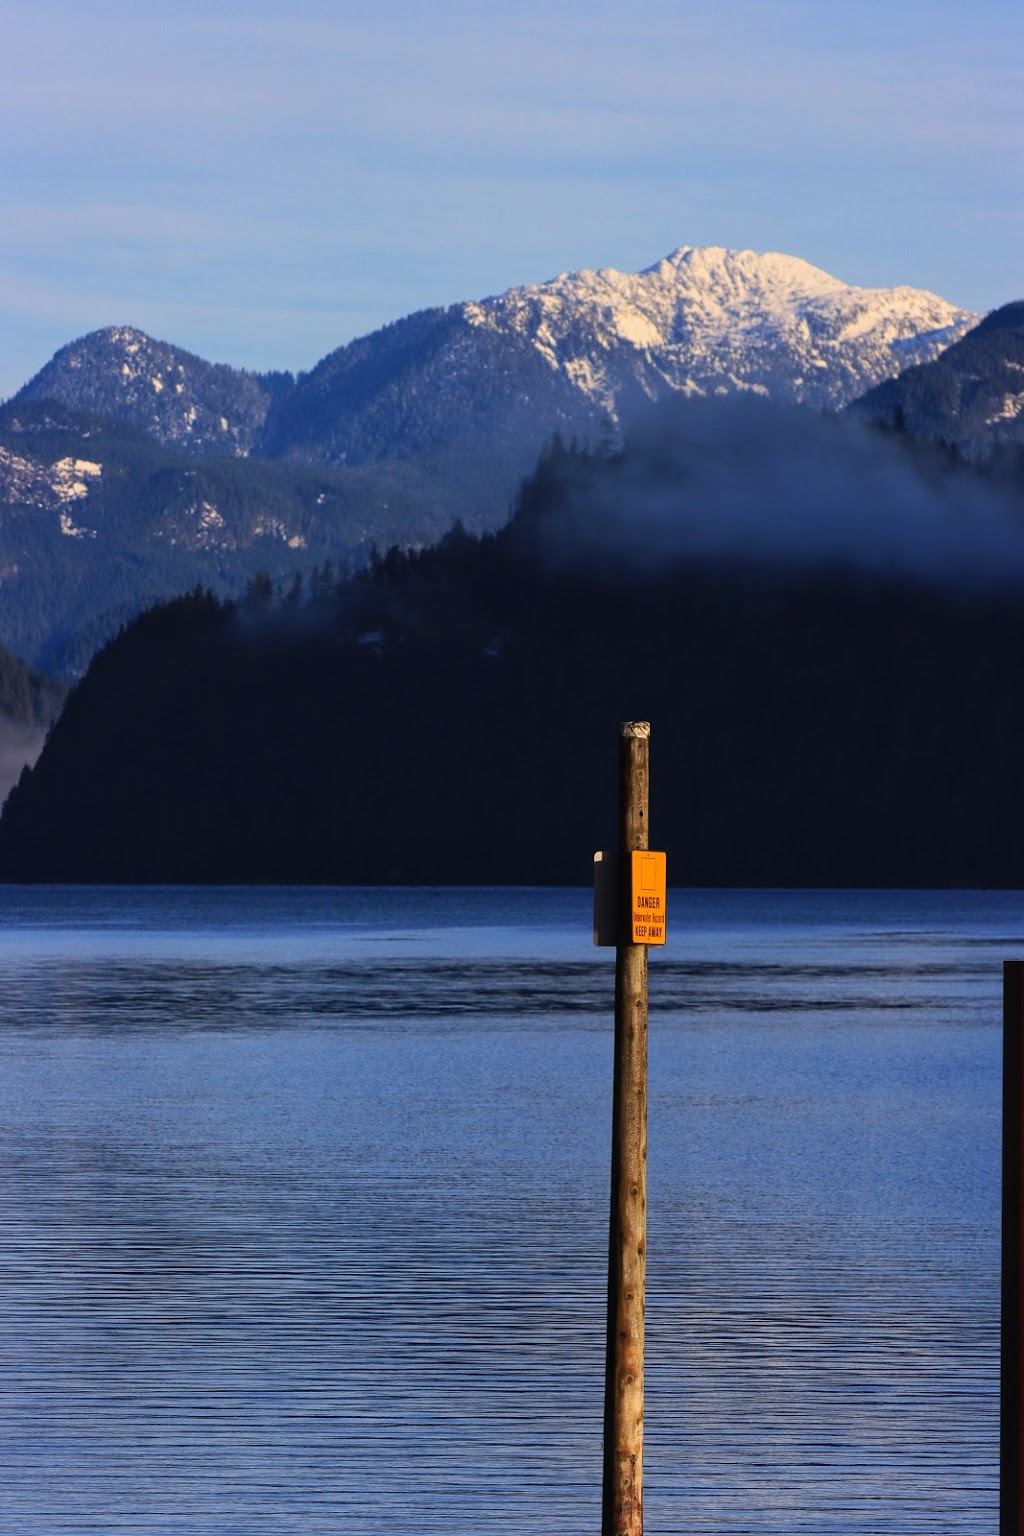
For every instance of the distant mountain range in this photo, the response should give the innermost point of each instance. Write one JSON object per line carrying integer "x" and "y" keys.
{"x": 130, "y": 469}
{"x": 585, "y": 349}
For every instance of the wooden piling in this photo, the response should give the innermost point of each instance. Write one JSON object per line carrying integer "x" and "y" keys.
{"x": 1011, "y": 1411}
{"x": 622, "y": 1503}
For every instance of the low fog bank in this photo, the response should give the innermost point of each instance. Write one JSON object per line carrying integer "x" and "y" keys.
{"x": 746, "y": 480}
{"x": 20, "y": 745}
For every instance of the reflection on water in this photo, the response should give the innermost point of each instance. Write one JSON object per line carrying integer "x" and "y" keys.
{"x": 304, "y": 1206}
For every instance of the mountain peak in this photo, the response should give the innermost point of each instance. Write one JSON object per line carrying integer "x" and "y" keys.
{"x": 708, "y": 320}
{"x": 573, "y": 353}
{"x": 126, "y": 335}
{"x": 704, "y": 263}
{"x": 178, "y": 398}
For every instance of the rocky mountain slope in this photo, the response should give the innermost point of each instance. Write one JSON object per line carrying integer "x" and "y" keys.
{"x": 177, "y": 398}
{"x": 971, "y": 396}
{"x": 96, "y": 520}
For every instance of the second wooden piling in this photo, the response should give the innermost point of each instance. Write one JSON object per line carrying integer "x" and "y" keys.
{"x": 1011, "y": 1415}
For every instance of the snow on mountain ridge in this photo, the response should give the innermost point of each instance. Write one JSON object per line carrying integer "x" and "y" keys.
{"x": 706, "y": 311}
{"x": 175, "y": 396}
{"x": 49, "y": 486}
{"x": 573, "y": 354}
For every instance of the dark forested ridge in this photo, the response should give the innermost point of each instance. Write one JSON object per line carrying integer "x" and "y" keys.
{"x": 971, "y": 395}
{"x": 29, "y": 702}
{"x": 451, "y": 716}
{"x": 27, "y": 697}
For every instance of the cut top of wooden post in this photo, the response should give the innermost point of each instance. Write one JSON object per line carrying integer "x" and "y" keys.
{"x": 634, "y": 775}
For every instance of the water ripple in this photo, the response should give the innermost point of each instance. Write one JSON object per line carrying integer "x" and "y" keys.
{"x": 293, "y": 1243}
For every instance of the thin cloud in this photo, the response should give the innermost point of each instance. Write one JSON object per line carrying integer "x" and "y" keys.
{"x": 384, "y": 159}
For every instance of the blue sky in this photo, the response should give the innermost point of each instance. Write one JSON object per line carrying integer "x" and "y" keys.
{"x": 260, "y": 182}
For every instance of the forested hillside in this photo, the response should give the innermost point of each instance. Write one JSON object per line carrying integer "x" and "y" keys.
{"x": 451, "y": 716}
{"x": 27, "y": 697}
{"x": 971, "y": 396}
{"x": 97, "y": 520}
{"x": 29, "y": 702}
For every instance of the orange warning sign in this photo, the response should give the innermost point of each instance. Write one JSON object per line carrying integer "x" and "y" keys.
{"x": 647, "y": 897}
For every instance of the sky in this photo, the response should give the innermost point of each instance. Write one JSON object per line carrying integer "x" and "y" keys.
{"x": 261, "y": 182}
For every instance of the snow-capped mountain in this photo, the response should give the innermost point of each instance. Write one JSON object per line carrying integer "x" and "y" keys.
{"x": 578, "y": 353}
{"x": 590, "y": 348}
{"x": 710, "y": 321}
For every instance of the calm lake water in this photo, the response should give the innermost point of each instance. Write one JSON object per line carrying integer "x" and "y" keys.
{"x": 303, "y": 1197}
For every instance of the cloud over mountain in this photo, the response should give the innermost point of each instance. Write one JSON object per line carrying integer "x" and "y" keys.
{"x": 742, "y": 479}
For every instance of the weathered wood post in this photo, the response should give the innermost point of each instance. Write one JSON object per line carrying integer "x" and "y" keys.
{"x": 622, "y": 1505}
{"x": 1011, "y": 1415}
